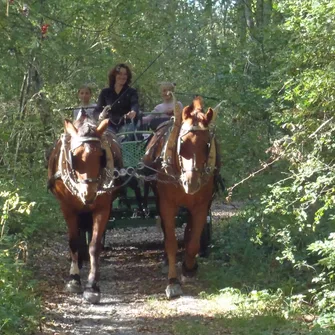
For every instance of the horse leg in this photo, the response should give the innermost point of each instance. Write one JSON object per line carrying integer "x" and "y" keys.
{"x": 146, "y": 189}
{"x": 188, "y": 229}
{"x": 165, "y": 264}
{"x": 92, "y": 290}
{"x": 85, "y": 228}
{"x": 194, "y": 228}
{"x": 123, "y": 196}
{"x": 74, "y": 284}
{"x": 138, "y": 195}
{"x": 168, "y": 214}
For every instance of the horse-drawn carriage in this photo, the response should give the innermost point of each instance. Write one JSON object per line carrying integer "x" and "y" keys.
{"x": 177, "y": 163}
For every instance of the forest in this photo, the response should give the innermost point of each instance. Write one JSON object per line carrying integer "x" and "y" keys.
{"x": 271, "y": 65}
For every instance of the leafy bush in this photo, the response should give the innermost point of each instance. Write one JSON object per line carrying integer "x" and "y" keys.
{"x": 23, "y": 223}
{"x": 20, "y": 306}
{"x": 325, "y": 279}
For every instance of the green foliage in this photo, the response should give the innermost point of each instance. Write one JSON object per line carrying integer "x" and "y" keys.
{"x": 264, "y": 325}
{"x": 247, "y": 254}
{"x": 12, "y": 208}
{"x": 28, "y": 216}
{"x": 325, "y": 291}
{"x": 272, "y": 64}
{"x": 20, "y": 306}
{"x": 256, "y": 312}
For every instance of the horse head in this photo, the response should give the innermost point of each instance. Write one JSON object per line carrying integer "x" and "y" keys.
{"x": 193, "y": 145}
{"x": 86, "y": 156}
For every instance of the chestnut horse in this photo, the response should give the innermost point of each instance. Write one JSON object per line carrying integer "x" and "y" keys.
{"x": 184, "y": 156}
{"x": 82, "y": 183}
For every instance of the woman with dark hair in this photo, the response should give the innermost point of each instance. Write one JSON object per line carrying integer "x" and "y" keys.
{"x": 121, "y": 99}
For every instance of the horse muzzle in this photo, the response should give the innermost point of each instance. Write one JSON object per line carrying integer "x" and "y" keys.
{"x": 191, "y": 182}
{"x": 87, "y": 193}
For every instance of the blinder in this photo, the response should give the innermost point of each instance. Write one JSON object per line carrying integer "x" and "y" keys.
{"x": 71, "y": 160}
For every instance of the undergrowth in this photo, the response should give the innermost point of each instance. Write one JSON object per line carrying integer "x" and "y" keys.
{"x": 26, "y": 213}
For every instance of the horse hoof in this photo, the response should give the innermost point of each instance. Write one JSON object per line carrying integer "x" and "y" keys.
{"x": 173, "y": 290}
{"x": 73, "y": 286}
{"x": 92, "y": 297}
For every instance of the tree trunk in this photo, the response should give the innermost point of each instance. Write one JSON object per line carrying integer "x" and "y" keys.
{"x": 241, "y": 23}
{"x": 248, "y": 14}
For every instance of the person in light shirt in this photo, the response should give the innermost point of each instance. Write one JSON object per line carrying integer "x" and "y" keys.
{"x": 84, "y": 96}
{"x": 166, "y": 107}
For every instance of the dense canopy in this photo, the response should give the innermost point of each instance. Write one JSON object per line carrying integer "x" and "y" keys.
{"x": 272, "y": 64}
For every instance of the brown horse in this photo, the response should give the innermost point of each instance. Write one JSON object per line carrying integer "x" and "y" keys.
{"x": 83, "y": 184}
{"x": 185, "y": 158}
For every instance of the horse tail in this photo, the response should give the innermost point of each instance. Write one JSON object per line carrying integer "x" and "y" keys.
{"x": 85, "y": 224}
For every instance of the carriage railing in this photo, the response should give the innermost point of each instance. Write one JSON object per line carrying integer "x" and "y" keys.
{"x": 133, "y": 150}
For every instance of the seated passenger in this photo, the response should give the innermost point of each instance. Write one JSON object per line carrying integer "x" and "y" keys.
{"x": 121, "y": 99}
{"x": 84, "y": 96}
{"x": 166, "y": 107}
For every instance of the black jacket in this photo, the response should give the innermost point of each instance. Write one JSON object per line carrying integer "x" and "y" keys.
{"x": 122, "y": 103}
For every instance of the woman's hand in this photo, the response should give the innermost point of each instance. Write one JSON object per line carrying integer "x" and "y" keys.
{"x": 131, "y": 115}
{"x": 104, "y": 114}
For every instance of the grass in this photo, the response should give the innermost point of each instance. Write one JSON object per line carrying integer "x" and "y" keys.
{"x": 256, "y": 325}
{"x": 254, "y": 313}
{"x": 250, "y": 292}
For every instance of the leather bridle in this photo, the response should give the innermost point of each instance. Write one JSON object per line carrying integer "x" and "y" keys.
{"x": 78, "y": 142}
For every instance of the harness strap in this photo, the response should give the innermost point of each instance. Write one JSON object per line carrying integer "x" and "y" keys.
{"x": 169, "y": 151}
{"x": 78, "y": 141}
{"x": 190, "y": 128}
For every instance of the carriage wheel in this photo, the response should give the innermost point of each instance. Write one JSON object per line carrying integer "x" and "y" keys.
{"x": 206, "y": 237}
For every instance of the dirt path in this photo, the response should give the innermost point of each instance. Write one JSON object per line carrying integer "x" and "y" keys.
{"x": 132, "y": 285}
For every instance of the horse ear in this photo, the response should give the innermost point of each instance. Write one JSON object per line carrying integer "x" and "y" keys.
{"x": 70, "y": 128}
{"x": 102, "y": 127}
{"x": 209, "y": 115}
{"x": 187, "y": 111}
